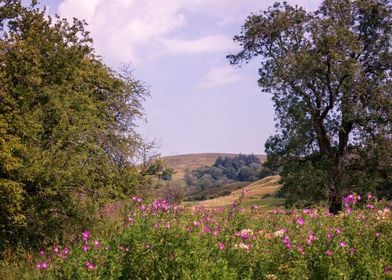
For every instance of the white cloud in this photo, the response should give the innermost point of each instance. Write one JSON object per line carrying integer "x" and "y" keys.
{"x": 220, "y": 75}
{"x": 133, "y": 30}
{"x": 206, "y": 44}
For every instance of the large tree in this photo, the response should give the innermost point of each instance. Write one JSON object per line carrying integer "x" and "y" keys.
{"x": 329, "y": 73}
{"x": 67, "y": 126}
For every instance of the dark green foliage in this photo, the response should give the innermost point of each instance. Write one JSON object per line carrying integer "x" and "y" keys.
{"x": 329, "y": 73}
{"x": 67, "y": 123}
{"x": 242, "y": 168}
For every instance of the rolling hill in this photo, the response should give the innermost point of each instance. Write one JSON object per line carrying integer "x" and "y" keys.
{"x": 180, "y": 163}
{"x": 258, "y": 193}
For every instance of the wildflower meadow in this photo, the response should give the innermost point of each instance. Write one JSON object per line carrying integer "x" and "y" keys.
{"x": 157, "y": 240}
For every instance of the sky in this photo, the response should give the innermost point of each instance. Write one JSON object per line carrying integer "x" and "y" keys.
{"x": 199, "y": 103}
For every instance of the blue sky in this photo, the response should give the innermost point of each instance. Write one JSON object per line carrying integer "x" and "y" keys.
{"x": 199, "y": 103}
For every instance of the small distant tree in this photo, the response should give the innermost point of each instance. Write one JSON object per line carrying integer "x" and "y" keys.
{"x": 329, "y": 73}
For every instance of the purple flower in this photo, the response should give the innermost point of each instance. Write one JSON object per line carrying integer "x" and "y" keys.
{"x": 65, "y": 251}
{"x": 85, "y": 248}
{"x": 342, "y": 244}
{"x": 221, "y": 246}
{"x": 56, "y": 249}
{"x": 207, "y": 229}
{"x": 89, "y": 265}
{"x": 86, "y": 235}
{"x": 300, "y": 221}
{"x": 42, "y": 265}
{"x": 328, "y": 253}
{"x": 96, "y": 243}
{"x": 286, "y": 242}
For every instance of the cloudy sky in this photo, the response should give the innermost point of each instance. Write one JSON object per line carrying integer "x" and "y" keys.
{"x": 199, "y": 103}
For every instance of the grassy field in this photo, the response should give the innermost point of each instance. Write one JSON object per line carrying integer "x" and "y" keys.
{"x": 157, "y": 240}
{"x": 181, "y": 163}
{"x": 257, "y": 193}
{"x": 218, "y": 191}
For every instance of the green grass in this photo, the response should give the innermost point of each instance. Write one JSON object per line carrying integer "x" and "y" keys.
{"x": 161, "y": 241}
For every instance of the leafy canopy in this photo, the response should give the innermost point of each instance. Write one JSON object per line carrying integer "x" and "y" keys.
{"x": 329, "y": 73}
{"x": 67, "y": 126}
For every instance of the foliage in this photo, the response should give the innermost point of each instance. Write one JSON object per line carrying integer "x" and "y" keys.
{"x": 329, "y": 73}
{"x": 158, "y": 240}
{"x": 67, "y": 127}
{"x": 241, "y": 168}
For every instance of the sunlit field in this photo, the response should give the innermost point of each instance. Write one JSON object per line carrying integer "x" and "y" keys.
{"x": 157, "y": 240}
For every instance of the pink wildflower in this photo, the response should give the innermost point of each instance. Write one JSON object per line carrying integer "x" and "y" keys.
{"x": 245, "y": 191}
{"x": 216, "y": 232}
{"x": 207, "y": 229}
{"x": 85, "y": 248}
{"x": 196, "y": 223}
{"x": 378, "y": 234}
{"x": 221, "y": 246}
{"x": 96, "y": 243}
{"x": 300, "y": 221}
{"x": 89, "y": 265}
{"x": 370, "y": 206}
{"x": 286, "y": 242}
{"x": 56, "y": 249}
{"x": 142, "y": 207}
{"x": 42, "y": 265}
{"x": 65, "y": 251}
{"x": 301, "y": 250}
{"x": 388, "y": 269}
{"x": 328, "y": 253}
{"x": 342, "y": 244}
{"x": 42, "y": 253}
{"x": 86, "y": 235}
{"x": 130, "y": 220}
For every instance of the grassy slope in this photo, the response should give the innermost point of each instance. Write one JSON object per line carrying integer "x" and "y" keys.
{"x": 181, "y": 163}
{"x": 219, "y": 191}
{"x": 257, "y": 191}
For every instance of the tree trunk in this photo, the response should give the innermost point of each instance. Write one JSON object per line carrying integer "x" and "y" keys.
{"x": 335, "y": 201}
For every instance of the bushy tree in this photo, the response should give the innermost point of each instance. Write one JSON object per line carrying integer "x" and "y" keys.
{"x": 329, "y": 73}
{"x": 67, "y": 126}
{"x": 245, "y": 168}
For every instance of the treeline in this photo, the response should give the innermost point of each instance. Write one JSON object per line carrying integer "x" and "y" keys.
{"x": 225, "y": 170}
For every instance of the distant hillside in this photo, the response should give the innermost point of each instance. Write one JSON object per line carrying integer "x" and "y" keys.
{"x": 257, "y": 195}
{"x": 180, "y": 163}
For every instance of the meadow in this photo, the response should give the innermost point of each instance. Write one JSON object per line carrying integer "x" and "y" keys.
{"x": 156, "y": 240}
